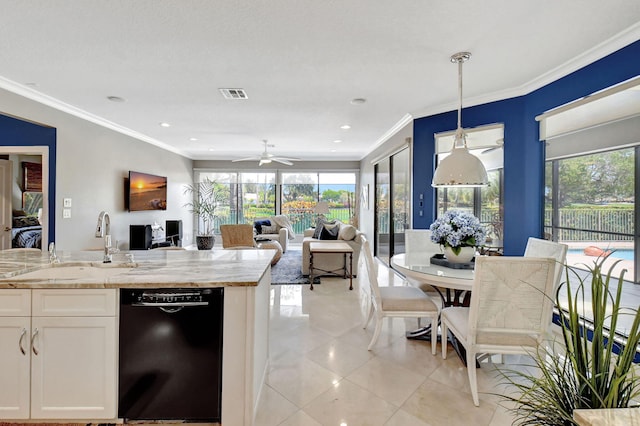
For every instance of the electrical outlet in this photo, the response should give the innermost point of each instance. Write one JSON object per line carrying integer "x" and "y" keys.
{"x": 66, "y": 213}
{"x": 67, "y": 202}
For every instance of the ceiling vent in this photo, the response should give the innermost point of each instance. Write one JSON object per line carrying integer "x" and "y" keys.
{"x": 234, "y": 93}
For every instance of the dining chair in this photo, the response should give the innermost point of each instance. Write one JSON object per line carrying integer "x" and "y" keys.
{"x": 237, "y": 236}
{"x": 545, "y": 248}
{"x": 418, "y": 244}
{"x": 419, "y": 248}
{"x": 395, "y": 301}
{"x": 511, "y": 303}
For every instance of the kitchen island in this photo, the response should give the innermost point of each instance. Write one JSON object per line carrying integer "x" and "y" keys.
{"x": 33, "y": 291}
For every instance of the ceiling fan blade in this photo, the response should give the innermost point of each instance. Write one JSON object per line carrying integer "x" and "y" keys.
{"x": 488, "y": 150}
{"x": 500, "y": 144}
{"x": 282, "y": 160}
{"x": 246, "y": 159}
{"x": 289, "y": 158}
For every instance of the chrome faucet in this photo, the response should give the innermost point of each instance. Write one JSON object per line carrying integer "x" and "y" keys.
{"x": 103, "y": 230}
{"x": 53, "y": 257}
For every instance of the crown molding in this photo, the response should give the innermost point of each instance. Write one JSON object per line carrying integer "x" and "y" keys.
{"x": 607, "y": 47}
{"x": 43, "y": 99}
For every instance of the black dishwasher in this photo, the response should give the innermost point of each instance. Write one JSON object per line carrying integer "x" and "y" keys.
{"x": 170, "y": 354}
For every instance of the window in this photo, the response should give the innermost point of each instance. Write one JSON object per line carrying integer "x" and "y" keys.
{"x": 485, "y": 203}
{"x": 590, "y": 205}
{"x": 247, "y": 196}
{"x": 302, "y": 191}
{"x": 251, "y": 195}
{"x": 591, "y": 174}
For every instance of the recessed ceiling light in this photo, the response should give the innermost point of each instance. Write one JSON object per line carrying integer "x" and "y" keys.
{"x": 345, "y": 127}
{"x": 163, "y": 124}
{"x": 337, "y": 141}
{"x": 211, "y": 149}
{"x": 334, "y": 150}
{"x": 115, "y": 98}
{"x": 193, "y": 139}
{"x": 358, "y": 101}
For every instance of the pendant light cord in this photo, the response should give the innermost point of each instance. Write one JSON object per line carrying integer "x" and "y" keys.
{"x": 460, "y": 139}
{"x": 460, "y": 60}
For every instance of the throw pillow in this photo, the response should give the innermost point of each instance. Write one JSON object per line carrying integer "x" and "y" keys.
{"x": 329, "y": 233}
{"x": 319, "y": 225}
{"x": 269, "y": 229}
{"x": 347, "y": 232}
{"x": 259, "y": 223}
{"x": 24, "y": 221}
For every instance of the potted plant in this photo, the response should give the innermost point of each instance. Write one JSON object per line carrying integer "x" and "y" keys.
{"x": 590, "y": 370}
{"x": 458, "y": 233}
{"x": 206, "y": 198}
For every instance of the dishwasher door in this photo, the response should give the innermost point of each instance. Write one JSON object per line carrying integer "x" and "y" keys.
{"x": 170, "y": 354}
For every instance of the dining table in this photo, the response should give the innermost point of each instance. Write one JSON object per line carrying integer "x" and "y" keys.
{"x": 454, "y": 285}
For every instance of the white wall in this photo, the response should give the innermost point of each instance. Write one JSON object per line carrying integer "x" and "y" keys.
{"x": 92, "y": 162}
{"x": 367, "y": 174}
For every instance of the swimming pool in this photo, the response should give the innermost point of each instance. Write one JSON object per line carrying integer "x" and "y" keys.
{"x": 626, "y": 254}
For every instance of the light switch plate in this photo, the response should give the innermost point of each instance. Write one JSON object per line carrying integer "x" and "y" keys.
{"x": 67, "y": 202}
{"x": 66, "y": 213}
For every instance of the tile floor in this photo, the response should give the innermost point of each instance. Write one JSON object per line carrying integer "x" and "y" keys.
{"x": 322, "y": 374}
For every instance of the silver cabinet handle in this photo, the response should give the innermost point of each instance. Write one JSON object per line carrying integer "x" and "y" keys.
{"x": 33, "y": 336}
{"x": 24, "y": 333}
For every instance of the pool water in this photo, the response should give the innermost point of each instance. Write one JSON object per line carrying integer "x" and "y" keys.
{"x": 626, "y": 254}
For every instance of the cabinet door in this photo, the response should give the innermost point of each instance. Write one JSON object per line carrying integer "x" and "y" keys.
{"x": 14, "y": 367}
{"x": 73, "y": 368}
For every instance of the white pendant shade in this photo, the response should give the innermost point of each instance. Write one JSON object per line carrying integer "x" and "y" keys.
{"x": 460, "y": 169}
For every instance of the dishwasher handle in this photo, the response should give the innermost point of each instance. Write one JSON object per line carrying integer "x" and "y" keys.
{"x": 169, "y": 305}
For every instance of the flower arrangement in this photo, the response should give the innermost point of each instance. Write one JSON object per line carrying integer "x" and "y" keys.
{"x": 457, "y": 229}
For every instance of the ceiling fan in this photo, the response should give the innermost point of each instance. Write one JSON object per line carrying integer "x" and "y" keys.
{"x": 266, "y": 157}
{"x": 499, "y": 144}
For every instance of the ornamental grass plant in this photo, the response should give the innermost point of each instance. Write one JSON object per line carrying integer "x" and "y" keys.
{"x": 591, "y": 370}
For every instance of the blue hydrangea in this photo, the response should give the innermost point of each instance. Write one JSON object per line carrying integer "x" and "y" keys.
{"x": 457, "y": 229}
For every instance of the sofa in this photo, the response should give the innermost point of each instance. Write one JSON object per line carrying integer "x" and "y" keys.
{"x": 331, "y": 261}
{"x": 275, "y": 228}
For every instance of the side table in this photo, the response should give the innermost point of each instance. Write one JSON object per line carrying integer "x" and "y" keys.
{"x": 331, "y": 247}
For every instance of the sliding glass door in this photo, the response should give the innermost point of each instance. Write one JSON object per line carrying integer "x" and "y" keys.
{"x": 392, "y": 204}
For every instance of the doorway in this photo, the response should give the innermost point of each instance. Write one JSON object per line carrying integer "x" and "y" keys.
{"x": 20, "y": 197}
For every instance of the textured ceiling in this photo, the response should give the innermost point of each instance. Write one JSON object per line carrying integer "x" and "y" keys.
{"x": 301, "y": 62}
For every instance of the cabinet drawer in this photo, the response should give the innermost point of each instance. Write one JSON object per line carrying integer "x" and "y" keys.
{"x": 74, "y": 302}
{"x": 15, "y": 303}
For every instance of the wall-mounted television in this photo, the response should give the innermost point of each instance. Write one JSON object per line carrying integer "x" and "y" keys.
{"x": 147, "y": 192}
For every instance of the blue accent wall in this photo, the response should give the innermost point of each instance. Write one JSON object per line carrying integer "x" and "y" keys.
{"x": 523, "y": 152}
{"x": 15, "y": 132}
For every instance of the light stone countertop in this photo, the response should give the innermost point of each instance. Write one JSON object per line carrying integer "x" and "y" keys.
{"x": 608, "y": 417}
{"x": 150, "y": 268}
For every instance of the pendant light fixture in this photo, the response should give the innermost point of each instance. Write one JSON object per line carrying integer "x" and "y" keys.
{"x": 460, "y": 168}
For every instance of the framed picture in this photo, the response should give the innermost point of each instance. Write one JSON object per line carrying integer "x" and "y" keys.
{"x": 364, "y": 197}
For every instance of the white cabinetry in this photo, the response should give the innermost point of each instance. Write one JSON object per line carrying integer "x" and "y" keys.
{"x": 15, "y": 361}
{"x": 58, "y": 353}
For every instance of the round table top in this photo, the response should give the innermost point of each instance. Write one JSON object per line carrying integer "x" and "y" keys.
{"x": 418, "y": 267}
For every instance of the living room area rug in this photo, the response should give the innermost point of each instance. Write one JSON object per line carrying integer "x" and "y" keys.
{"x": 288, "y": 270}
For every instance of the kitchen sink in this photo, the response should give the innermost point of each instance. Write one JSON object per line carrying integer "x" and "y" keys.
{"x": 77, "y": 270}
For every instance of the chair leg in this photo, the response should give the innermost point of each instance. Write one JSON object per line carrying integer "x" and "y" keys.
{"x": 376, "y": 333}
{"x": 367, "y": 320}
{"x": 444, "y": 338}
{"x": 434, "y": 334}
{"x": 473, "y": 379}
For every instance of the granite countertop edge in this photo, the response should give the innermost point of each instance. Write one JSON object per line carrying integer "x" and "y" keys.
{"x": 150, "y": 269}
